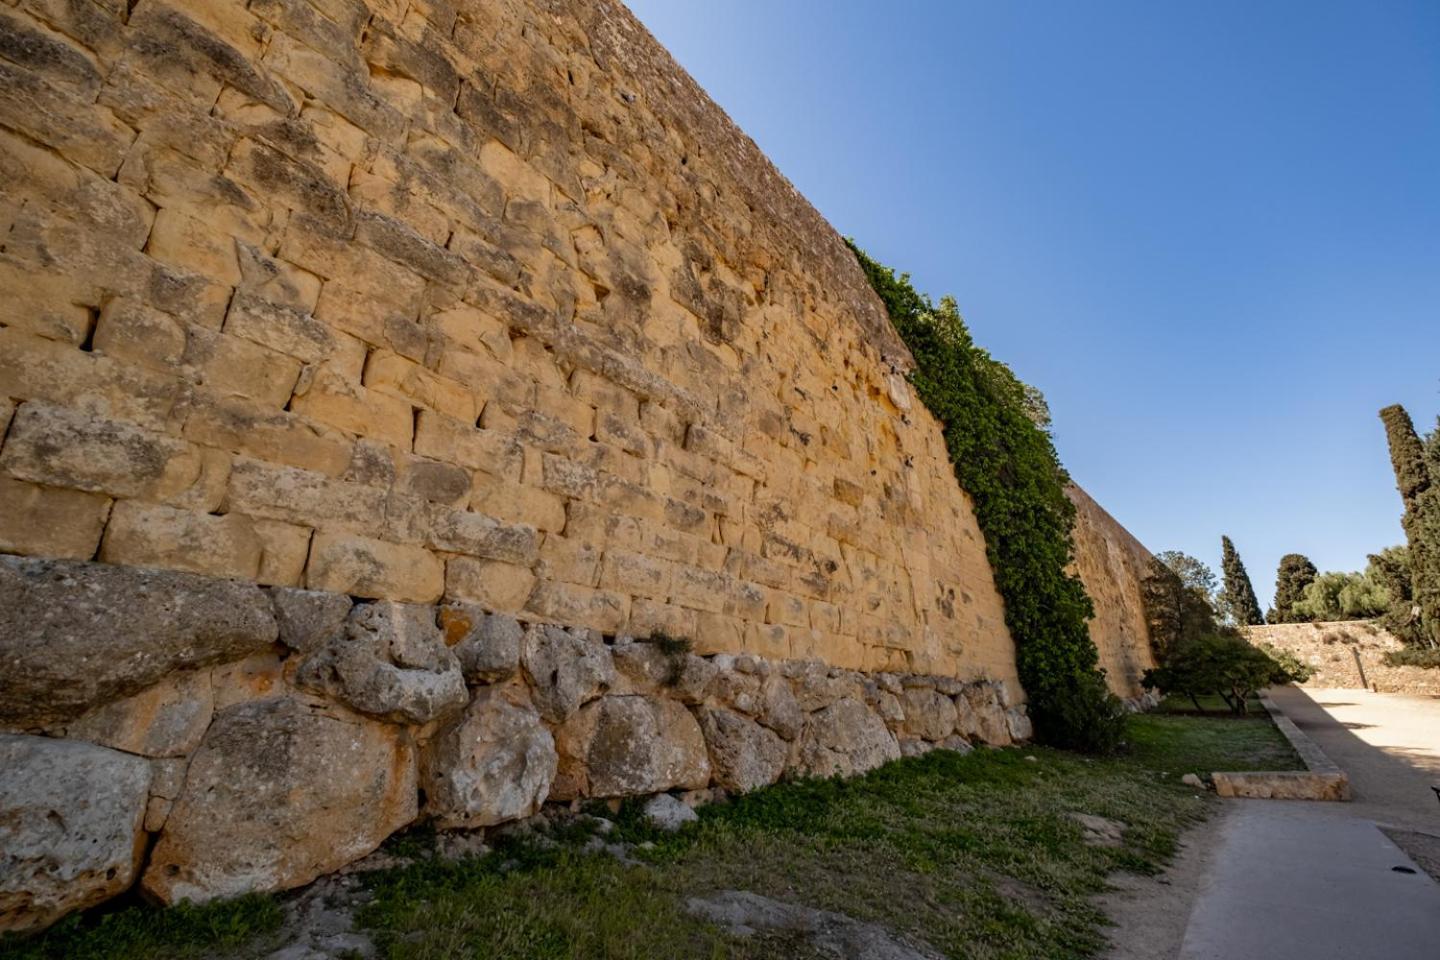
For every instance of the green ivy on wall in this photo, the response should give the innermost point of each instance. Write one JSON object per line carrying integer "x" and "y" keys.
{"x": 996, "y": 431}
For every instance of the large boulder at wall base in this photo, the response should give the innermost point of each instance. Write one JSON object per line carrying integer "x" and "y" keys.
{"x": 929, "y": 714}
{"x": 280, "y": 792}
{"x": 492, "y": 764}
{"x": 744, "y": 756}
{"x": 629, "y": 745}
{"x": 71, "y": 834}
{"x": 566, "y": 668}
{"x": 981, "y": 715}
{"x": 391, "y": 662}
{"x": 844, "y": 739}
{"x": 75, "y": 635}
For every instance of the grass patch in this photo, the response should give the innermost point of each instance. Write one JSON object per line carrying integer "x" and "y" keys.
{"x": 138, "y": 932}
{"x": 1211, "y": 704}
{"x": 975, "y": 855}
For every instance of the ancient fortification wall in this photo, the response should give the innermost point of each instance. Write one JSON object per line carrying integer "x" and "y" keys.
{"x": 348, "y": 351}
{"x": 1113, "y": 565}
{"x": 1339, "y": 651}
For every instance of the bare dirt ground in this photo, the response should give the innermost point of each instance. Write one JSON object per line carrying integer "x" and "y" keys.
{"x": 1151, "y": 913}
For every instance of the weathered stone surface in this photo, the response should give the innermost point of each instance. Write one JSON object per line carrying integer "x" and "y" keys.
{"x": 1017, "y": 723}
{"x": 743, "y": 755}
{"x": 76, "y": 635}
{"x": 391, "y": 662}
{"x": 493, "y": 763}
{"x": 667, "y": 812}
{"x": 980, "y": 715}
{"x": 929, "y": 714}
{"x": 779, "y": 710}
{"x": 646, "y": 667}
{"x": 280, "y": 792}
{"x": 309, "y": 619}
{"x": 628, "y": 745}
{"x": 486, "y": 644}
{"x": 566, "y": 668}
{"x": 70, "y": 827}
{"x": 166, "y": 720}
{"x": 844, "y": 739}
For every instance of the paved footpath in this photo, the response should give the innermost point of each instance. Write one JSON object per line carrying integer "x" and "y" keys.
{"x": 1297, "y": 880}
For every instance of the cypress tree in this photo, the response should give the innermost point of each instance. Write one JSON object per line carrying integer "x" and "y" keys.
{"x": 1239, "y": 593}
{"x": 1413, "y": 460}
{"x": 1295, "y": 573}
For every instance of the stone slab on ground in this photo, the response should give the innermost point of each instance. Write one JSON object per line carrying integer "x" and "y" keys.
{"x": 1322, "y": 778}
{"x": 1299, "y": 881}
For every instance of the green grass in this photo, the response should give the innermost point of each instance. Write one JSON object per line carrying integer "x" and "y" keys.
{"x": 975, "y": 855}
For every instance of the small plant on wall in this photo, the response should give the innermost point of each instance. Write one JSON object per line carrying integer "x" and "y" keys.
{"x": 997, "y": 438}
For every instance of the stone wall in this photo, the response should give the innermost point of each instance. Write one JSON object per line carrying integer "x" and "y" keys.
{"x": 1113, "y": 565}
{"x": 331, "y": 327}
{"x": 1332, "y": 651}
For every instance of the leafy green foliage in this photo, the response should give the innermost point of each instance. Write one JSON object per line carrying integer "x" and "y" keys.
{"x": 1427, "y": 657}
{"x": 1225, "y": 665}
{"x": 1194, "y": 574}
{"x": 1005, "y": 460}
{"x": 1391, "y": 569}
{"x": 1415, "y": 461}
{"x": 1177, "y": 611}
{"x": 1238, "y": 597}
{"x": 1342, "y": 596}
{"x": 1294, "y": 574}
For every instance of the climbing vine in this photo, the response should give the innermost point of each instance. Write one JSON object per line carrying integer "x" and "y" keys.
{"x": 996, "y": 432}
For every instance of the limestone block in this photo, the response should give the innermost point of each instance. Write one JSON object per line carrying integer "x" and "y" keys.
{"x": 330, "y": 398}
{"x": 454, "y": 441}
{"x": 166, "y": 720}
{"x": 391, "y": 662}
{"x": 503, "y": 587}
{"x": 70, "y": 827}
{"x": 280, "y": 792}
{"x": 284, "y": 549}
{"x": 77, "y": 635}
{"x": 779, "y": 709}
{"x": 388, "y": 372}
{"x": 628, "y": 746}
{"x": 928, "y": 714}
{"x": 647, "y": 617}
{"x": 152, "y": 535}
{"x": 980, "y": 715}
{"x": 744, "y": 755}
{"x": 601, "y": 610}
{"x": 132, "y": 331}
{"x": 193, "y": 245}
{"x": 49, "y": 521}
{"x": 309, "y": 619}
{"x": 275, "y": 436}
{"x": 281, "y": 328}
{"x": 65, "y": 448}
{"x": 486, "y": 644}
{"x": 363, "y": 567}
{"x": 462, "y": 531}
{"x": 515, "y": 503}
{"x": 844, "y": 739}
{"x": 566, "y": 668}
{"x": 494, "y": 763}
{"x": 635, "y": 574}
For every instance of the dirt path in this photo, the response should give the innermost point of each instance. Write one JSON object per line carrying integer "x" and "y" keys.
{"x": 1151, "y": 913}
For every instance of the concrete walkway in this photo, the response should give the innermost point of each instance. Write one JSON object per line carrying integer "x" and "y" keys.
{"x": 1315, "y": 881}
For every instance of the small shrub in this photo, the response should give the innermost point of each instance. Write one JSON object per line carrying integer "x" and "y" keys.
{"x": 1427, "y": 657}
{"x": 1226, "y": 666}
{"x": 1086, "y": 717}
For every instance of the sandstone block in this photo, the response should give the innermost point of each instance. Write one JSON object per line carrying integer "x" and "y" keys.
{"x": 275, "y": 436}
{"x": 630, "y": 745}
{"x": 70, "y": 827}
{"x": 486, "y": 644}
{"x": 280, "y": 327}
{"x": 280, "y": 792}
{"x": 494, "y": 763}
{"x": 362, "y": 567}
{"x": 329, "y": 398}
{"x": 153, "y": 535}
{"x": 76, "y": 635}
{"x": 391, "y": 663}
{"x": 844, "y": 739}
{"x": 566, "y": 668}
{"x": 744, "y": 756}
{"x": 49, "y": 521}
{"x": 302, "y": 497}
{"x": 502, "y": 587}
{"x": 455, "y": 441}
{"x": 462, "y": 531}
{"x": 166, "y": 720}
{"x": 233, "y": 366}
{"x": 132, "y": 331}
{"x": 507, "y": 500}
{"x": 66, "y": 448}
{"x": 601, "y": 610}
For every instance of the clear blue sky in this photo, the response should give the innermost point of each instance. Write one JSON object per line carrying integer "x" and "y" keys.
{"x": 1210, "y": 232}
